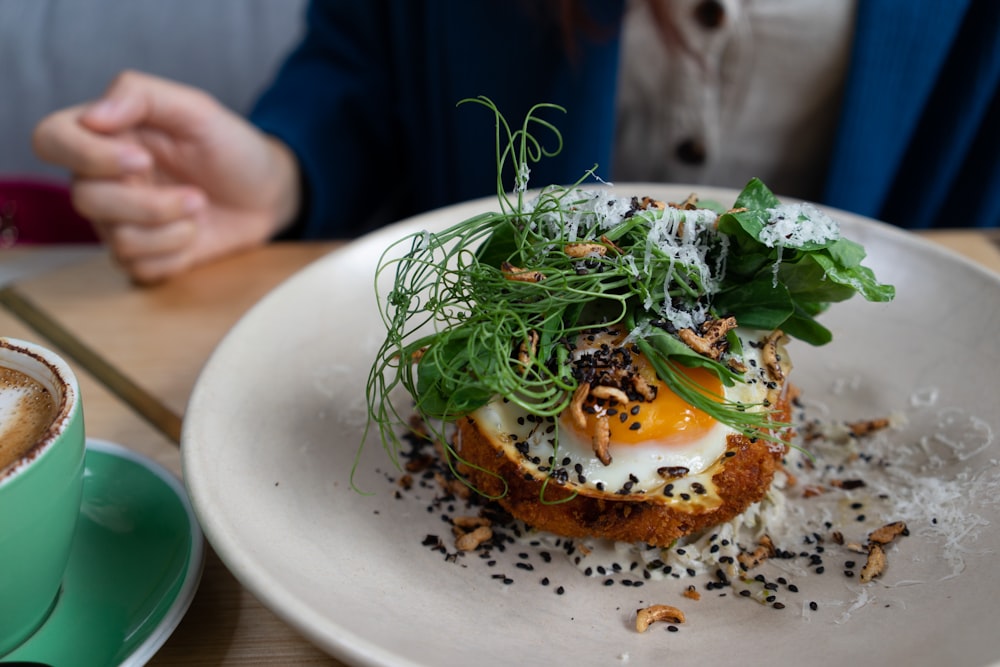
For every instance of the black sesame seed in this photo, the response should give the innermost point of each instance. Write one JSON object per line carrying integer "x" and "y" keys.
{"x": 634, "y": 426}
{"x": 545, "y": 581}
{"x": 813, "y": 606}
{"x": 745, "y": 593}
{"x": 560, "y": 590}
{"x": 673, "y": 628}
{"x": 779, "y": 605}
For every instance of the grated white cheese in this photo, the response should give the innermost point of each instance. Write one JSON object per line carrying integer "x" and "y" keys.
{"x": 795, "y": 225}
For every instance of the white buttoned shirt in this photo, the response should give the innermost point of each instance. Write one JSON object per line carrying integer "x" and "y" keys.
{"x": 732, "y": 89}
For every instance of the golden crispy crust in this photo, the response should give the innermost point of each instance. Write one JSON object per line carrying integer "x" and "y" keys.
{"x": 743, "y": 478}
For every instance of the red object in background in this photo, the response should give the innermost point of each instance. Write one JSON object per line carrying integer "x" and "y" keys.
{"x": 33, "y": 211}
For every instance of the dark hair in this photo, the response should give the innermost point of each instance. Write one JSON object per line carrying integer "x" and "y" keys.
{"x": 571, "y": 20}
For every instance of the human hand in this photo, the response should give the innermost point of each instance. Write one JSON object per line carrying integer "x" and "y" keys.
{"x": 168, "y": 176}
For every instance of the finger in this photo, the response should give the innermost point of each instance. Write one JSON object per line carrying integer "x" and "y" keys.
{"x": 135, "y": 99}
{"x": 62, "y": 140}
{"x": 157, "y": 269}
{"x": 117, "y": 202}
{"x": 133, "y": 243}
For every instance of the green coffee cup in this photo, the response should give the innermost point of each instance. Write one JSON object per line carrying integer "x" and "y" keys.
{"x": 41, "y": 479}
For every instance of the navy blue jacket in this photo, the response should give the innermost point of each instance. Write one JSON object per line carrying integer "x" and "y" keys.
{"x": 368, "y": 104}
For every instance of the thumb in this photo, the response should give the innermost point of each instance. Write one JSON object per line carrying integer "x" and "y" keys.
{"x": 135, "y": 99}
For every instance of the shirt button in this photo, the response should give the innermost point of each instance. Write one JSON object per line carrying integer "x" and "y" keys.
{"x": 710, "y": 13}
{"x": 691, "y": 151}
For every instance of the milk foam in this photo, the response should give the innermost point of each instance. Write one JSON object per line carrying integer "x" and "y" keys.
{"x": 26, "y": 410}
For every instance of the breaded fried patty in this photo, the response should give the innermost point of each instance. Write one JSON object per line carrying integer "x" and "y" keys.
{"x": 683, "y": 505}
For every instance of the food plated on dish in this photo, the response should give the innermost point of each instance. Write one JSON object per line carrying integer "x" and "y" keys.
{"x": 611, "y": 366}
{"x": 377, "y": 578}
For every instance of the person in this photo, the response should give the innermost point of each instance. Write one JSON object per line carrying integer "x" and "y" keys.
{"x": 361, "y": 124}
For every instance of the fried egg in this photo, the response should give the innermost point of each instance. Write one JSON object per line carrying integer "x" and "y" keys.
{"x": 656, "y": 447}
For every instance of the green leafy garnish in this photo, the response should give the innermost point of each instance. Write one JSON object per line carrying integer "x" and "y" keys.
{"x": 493, "y": 305}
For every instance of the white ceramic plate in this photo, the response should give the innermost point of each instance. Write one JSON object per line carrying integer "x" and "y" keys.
{"x": 273, "y": 427}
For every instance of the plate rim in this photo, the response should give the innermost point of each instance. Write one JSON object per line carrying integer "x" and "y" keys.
{"x": 346, "y": 645}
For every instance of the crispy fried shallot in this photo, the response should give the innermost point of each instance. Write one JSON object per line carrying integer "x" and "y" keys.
{"x": 862, "y": 428}
{"x": 611, "y": 245}
{"x": 609, "y": 393}
{"x": 576, "y": 405}
{"x": 511, "y": 272}
{"x": 527, "y": 351}
{"x": 602, "y": 440}
{"x": 581, "y": 250}
{"x": 875, "y": 565}
{"x": 770, "y": 356}
{"x": 688, "y": 204}
{"x": 888, "y": 532}
{"x": 765, "y": 549}
{"x": 658, "y": 612}
{"x": 712, "y": 341}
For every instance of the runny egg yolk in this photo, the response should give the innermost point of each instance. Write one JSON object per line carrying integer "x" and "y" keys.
{"x": 666, "y": 420}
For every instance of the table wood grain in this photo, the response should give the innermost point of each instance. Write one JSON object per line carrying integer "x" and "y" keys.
{"x": 159, "y": 338}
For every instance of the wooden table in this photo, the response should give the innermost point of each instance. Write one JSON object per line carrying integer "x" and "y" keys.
{"x": 138, "y": 352}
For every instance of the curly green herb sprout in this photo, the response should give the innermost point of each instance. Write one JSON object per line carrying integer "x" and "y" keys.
{"x": 491, "y": 306}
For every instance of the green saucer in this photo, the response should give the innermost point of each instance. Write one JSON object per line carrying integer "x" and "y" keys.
{"x": 136, "y": 563}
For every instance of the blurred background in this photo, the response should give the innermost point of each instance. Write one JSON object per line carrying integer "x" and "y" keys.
{"x": 55, "y": 53}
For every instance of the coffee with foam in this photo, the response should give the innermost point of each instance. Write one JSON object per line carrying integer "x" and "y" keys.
{"x": 27, "y": 409}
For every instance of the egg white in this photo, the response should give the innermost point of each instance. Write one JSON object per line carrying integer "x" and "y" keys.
{"x": 545, "y": 445}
